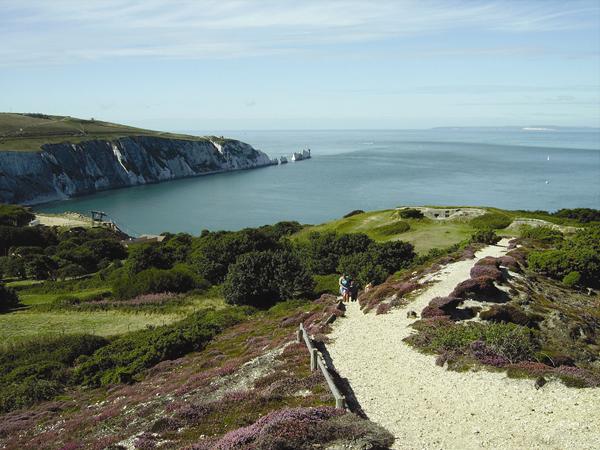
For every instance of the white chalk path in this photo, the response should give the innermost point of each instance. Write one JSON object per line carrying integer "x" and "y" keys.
{"x": 428, "y": 407}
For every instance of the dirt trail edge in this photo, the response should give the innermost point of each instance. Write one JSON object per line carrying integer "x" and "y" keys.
{"x": 426, "y": 406}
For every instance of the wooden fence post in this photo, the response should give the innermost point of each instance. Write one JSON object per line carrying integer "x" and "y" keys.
{"x": 299, "y": 335}
{"x": 314, "y": 354}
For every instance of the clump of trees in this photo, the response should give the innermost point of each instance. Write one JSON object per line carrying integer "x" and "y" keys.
{"x": 583, "y": 215}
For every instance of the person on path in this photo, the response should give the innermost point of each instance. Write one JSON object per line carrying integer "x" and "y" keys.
{"x": 344, "y": 283}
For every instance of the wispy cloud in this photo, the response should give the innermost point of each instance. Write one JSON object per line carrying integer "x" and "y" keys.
{"x": 62, "y": 31}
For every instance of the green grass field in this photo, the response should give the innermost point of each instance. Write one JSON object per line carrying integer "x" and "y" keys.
{"x": 22, "y": 325}
{"x": 32, "y": 298}
{"x": 24, "y": 132}
{"x": 424, "y": 234}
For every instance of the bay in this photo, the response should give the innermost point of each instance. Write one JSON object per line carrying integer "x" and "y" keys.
{"x": 366, "y": 169}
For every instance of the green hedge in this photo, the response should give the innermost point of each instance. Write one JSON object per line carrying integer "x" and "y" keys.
{"x": 491, "y": 221}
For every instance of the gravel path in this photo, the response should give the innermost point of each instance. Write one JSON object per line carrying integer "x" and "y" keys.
{"x": 426, "y": 406}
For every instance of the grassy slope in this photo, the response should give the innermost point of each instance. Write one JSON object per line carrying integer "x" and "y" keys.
{"x": 34, "y": 320}
{"x": 424, "y": 234}
{"x": 20, "y": 132}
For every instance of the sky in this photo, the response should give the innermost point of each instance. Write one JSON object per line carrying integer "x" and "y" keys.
{"x": 303, "y": 64}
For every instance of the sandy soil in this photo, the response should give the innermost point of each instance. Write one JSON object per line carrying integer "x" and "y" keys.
{"x": 63, "y": 220}
{"x": 426, "y": 406}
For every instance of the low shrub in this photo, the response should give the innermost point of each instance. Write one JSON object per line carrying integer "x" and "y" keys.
{"x": 410, "y": 213}
{"x": 546, "y": 235}
{"x": 488, "y": 271}
{"x": 580, "y": 253}
{"x": 440, "y": 306}
{"x": 179, "y": 279}
{"x": 302, "y": 429}
{"x": 354, "y": 213}
{"x": 41, "y": 368}
{"x": 393, "y": 228}
{"x": 8, "y": 298}
{"x": 513, "y": 343}
{"x": 507, "y": 314}
{"x": 485, "y": 237}
{"x": 479, "y": 288}
{"x": 491, "y": 221}
{"x": 127, "y": 356}
{"x": 572, "y": 279}
{"x": 583, "y": 215}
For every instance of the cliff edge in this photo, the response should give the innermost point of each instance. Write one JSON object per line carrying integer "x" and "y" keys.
{"x": 64, "y": 170}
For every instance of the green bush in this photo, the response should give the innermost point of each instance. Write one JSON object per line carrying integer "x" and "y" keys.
{"x": 572, "y": 279}
{"x": 393, "y": 228}
{"x": 323, "y": 251}
{"x": 363, "y": 268}
{"x": 127, "y": 356}
{"x": 491, "y": 221}
{"x": 485, "y": 237}
{"x": 580, "y": 253}
{"x": 356, "y": 212}
{"x": 41, "y": 368}
{"x": 264, "y": 278}
{"x": 583, "y": 215}
{"x": 151, "y": 281}
{"x": 507, "y": 340}
{"x": 14, "y": 215}
{"x": 326, "y": 284}
{"x": 547, "y": 235}
{"x": 8, "y": 298}
{"x": 213, "y": 253}
{"x": 411, "y": 213}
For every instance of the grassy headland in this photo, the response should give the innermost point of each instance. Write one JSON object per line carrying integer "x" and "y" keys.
{"x": 28, "y": 132}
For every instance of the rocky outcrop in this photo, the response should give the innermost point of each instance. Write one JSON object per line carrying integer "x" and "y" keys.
{"x": 66, "y": 170}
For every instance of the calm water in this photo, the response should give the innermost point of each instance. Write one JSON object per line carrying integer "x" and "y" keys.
{"x": 507, "y": 168}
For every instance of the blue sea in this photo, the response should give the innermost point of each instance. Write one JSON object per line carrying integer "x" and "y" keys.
{"x": 509, "y": 168}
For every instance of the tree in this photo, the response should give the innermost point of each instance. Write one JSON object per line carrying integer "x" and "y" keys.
{"x": 15, "y": 216}
{"x": 264, "y": 278}
{"x": 40, "y": 267}
{"x": 215, "y": 252}
{"x": 8, "y": 298}
{"x": 394, "y": 255}
{"x": 363, "y": 267}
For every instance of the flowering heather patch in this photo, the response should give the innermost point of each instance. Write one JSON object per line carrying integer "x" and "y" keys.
{"x": 145, "y": 442}
{"x": 520, "y": 255}
{"x": 510, "y": 263}
{"x": 577, "y": 376}
{"x": 490, "y": 271}
{"x": 486, "y": 355}
{"x": 488, "y": 261}
{"x": 481, "y": 287}
{"x": 283, "y": 426}
{"x": 505, "y": 313}
{"x": 383, "y": 308}
{"x": 370, "y": 300}
{"x": 440, "y": 306}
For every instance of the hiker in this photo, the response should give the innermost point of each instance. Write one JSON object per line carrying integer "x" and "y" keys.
{"x": 344, "y": 283}
{"x": 353, "y": 288}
